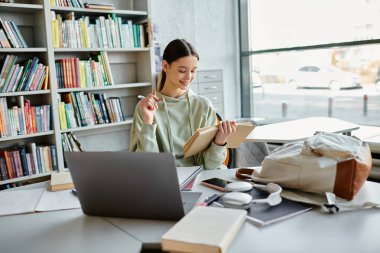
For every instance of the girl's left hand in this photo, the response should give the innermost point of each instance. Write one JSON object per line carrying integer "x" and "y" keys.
{"x": 226, "y": 129}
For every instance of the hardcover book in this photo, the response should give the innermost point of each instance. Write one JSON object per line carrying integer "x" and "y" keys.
{"x": 202, "y": 138}
{"x": 204, "y": 229}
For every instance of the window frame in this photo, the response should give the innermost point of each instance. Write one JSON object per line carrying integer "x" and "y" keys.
{"x": 247, "y": 102}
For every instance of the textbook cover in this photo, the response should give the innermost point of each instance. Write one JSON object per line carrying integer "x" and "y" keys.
{"x": 202, "y": 138}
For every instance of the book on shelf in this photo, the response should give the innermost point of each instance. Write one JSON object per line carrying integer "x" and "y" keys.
{"x": 70, "y": 142}
{"x": 108, "y": 31}
{"x": 202, "y": 138}
{"x": 4, "y": 42}
{"x": 61, "y": 181}
{"x": 13, "y": 34}
{"x": 23, "y": 77}
{"x": 263, "y": 214}
{"x": 67, "y": 3}
{"x": 27, "y": 160}
{"x": 102, "y": 6}
{"x": 76, "y": 73}
{"x": 204, "y": 229}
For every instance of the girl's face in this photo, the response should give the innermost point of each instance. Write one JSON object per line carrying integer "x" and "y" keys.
{"x": 180, "y": 73}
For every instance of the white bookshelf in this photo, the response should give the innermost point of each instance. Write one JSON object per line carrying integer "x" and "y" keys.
{"x": 132, "y": 70}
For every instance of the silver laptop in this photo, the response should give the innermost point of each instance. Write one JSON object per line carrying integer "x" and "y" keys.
{"x": 130, "y": 185}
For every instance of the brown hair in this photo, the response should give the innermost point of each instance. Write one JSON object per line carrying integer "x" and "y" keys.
{"x": 176, "y": 49}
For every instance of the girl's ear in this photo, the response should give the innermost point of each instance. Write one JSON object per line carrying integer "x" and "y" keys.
{"x": 165, "y": 65}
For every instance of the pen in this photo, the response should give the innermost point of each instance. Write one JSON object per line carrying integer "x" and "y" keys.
{"x": 209, "y": 200}
{"x": 142, "y": 97}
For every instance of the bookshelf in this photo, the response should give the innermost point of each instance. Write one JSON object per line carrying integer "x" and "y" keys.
{"x": 126, "y": 70}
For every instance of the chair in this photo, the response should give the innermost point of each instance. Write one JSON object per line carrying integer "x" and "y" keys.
{"x": 228, "y": 161}
{"x": 248, "y": 154}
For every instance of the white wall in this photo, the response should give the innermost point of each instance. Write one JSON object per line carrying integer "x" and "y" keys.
{"x": 211, "y": 26}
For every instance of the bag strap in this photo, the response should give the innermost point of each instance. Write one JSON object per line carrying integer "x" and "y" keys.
{"x": 244, "y": 173}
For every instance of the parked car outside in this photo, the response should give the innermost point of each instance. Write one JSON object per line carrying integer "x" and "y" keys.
{"x": 312, "y": 76}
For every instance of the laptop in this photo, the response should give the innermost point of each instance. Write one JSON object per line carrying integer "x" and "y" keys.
{"x": 129, "y": 185}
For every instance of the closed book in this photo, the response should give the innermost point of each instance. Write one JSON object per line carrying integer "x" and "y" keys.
{"x": 204, "y": 229}
{"x": 32, "y": 149}
{"x": 202, "y": 138}
{"x": 54, "y": 159}
{"x": 61, "y": 181}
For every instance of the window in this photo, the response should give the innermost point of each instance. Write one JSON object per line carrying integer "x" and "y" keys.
{"x": 311, "y": 58}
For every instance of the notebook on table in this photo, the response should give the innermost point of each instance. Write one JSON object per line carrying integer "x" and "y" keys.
{"x": 129, "y": 185}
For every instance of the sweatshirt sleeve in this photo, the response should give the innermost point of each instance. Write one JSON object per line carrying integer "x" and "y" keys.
{"x": 214, "y": 155}
{"x": 143, "y": 136}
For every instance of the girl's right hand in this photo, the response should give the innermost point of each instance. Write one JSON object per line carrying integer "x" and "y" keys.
{"x": 148, "y": 106}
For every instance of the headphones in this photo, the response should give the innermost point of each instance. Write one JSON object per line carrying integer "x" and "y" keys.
{"x": 237, "y": 198}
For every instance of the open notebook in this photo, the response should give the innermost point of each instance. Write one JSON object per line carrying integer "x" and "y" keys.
{"x": 202, "y": 138}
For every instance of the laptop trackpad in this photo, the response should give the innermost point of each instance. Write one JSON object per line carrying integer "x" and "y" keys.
{"x": 189, "y": 199}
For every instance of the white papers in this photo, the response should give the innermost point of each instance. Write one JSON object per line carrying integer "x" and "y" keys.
{"x": 20, "y": 201}
{"x": 36, "y": 200}
{"x": 58, "y": 200}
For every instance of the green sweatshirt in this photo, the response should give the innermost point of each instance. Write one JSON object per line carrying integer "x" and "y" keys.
{"x": 174, "y": 122}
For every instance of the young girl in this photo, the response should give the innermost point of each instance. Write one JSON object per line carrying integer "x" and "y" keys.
{"x": 165, "y": 119}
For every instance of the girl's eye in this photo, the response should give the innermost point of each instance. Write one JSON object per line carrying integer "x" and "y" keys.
{"x": 182, "y": 71}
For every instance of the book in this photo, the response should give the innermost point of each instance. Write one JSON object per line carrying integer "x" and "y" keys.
{"x": 103, "y": 6}
{"x": 61, "y": 181}
{"x": 202, "y": 138}
{"x": 262, "y": 214}
{"x": 204, "y": 229}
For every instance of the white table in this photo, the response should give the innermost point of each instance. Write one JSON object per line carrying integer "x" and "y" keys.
{"x": 62, "y": 232}
{"x": 300, "y": 129}
{"x": 72, "y": 231}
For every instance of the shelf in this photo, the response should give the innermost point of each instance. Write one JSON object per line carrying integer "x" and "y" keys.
{"x": 122, "y": 13}
{"x": 20, "y": 179}
{"x": 70, "y": 50}
{"x": 132, "y": 72}
{"x": 110, "y": 87}
{"x": 24, "y": 50}
{"x": 78, "y": 129}
{"x": 20, "y": 8}
{"x": 24, "y": 93}
{"x": 24, "y": 136}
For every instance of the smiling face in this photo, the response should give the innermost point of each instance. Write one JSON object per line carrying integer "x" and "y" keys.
{"x": 179, "y": 75}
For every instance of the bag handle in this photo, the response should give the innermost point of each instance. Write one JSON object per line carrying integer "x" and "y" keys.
{"x": 244, "y": 173}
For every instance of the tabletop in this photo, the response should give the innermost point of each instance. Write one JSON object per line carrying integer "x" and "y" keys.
{"x": 300, "y": 129}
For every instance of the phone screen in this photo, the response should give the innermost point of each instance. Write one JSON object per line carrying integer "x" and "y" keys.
{"x": 216, "y": 183}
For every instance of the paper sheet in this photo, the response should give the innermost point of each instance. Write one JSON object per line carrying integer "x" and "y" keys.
{"x": 58, "y": 200}
{"x": 20, "y": 201}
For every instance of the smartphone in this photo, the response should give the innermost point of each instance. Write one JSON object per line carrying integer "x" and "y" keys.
{"x": 216, "y": 183}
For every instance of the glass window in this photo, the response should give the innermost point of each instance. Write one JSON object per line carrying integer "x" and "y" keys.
{"x": 312, "y": 58}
